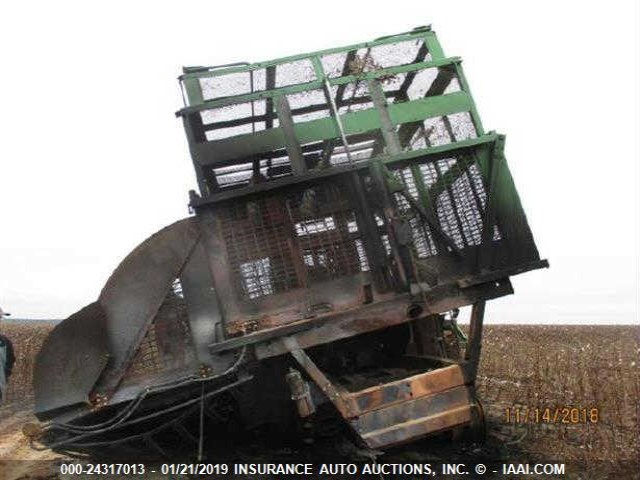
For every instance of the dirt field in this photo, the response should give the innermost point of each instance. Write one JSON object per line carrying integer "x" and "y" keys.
{"x": 523, "y": 368}
{"x": 557, "y": 366}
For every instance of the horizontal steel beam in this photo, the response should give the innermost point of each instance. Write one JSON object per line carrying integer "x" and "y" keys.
{"x": 376, "y": 316}
{"x": 428, "y": 153}
{"x": 423, "y": 33}
{"x": 199, "y": 104}
{"x": 221, "y": 152}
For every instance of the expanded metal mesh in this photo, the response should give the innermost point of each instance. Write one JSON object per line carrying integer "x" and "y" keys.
{"x": 257, "y": 80}
{"x": 421, "y": 234}
{"x": 437, "y": 131}
{"x": 455, "y": 189}
{"x": 277, "y": 243}
{"x": 315, "y": 103}
{"x": 355, "y": 62}
{"x": 167, "y": 345}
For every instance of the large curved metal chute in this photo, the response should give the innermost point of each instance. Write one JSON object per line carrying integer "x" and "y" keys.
{"x": 99, "y": 341}
{"x": 134, "y": 293}
{"x": 71, "y": 360}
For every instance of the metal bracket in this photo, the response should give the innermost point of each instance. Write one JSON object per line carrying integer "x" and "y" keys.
{"x": 318, "y": 377}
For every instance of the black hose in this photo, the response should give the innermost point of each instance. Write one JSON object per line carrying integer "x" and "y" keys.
{"x": 126, "y": 412}
{"x": 133, "y": 437}
{"x": 186, "y": 403}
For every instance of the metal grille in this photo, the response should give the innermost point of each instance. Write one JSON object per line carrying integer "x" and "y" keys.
{"x": 369, "y": 59}
{"x": 458, "y": 199}
{"x": 437, "y": 131}
{"x": 237, "y": 119}
{"x": 421, "y": 233}
{"x": 281, "y": 242}
{"x": 250, "y": 117}
{"x": 167, "y": 344}
{"x": 259, "y": 252}
{"x": 308, "y": 105}
{"x": 256, "y": 80}
{"x": 324, "y": 233}
{"x": 456, "y": 191}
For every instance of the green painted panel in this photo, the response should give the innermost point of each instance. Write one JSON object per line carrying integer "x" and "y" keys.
{"x": 433, "y": 45}
{"x": 193, "y": 91}
{"x": 360, "y": 122}
{"x": 509, "y": 213}
{"x": 220, "y": 151}
{"x": 429, "y": 107}
{"x": 315, "y": 130}
{"x": 221, "y": 102}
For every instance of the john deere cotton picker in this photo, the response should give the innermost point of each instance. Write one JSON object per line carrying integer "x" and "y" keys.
{"x": 350, "y": 203}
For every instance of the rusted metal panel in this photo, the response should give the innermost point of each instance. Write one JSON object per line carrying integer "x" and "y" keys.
{"x": 376, "y": 316}
{"x": 415, "y": 418}
{"x": 389, "y": 394}
{"x": 419, "y": 427}
{"x": 398, "y": 411}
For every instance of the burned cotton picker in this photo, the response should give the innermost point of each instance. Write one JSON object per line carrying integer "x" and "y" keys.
{"x": 350, "y": 202}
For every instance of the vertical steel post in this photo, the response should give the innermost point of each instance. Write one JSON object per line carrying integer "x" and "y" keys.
{"x": 474, "y": 345}
{"x": 293, "y": 146}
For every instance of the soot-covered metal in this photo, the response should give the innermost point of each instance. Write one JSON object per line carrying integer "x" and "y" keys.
{"x": 350, "y": 203}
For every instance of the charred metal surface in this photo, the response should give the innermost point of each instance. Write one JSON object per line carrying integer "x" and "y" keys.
{"x": 205, "y": 319}
{"x": 374, "y": 317}
{"x": 416, "y": 418}
{"x": 401, "y": 410}
{"x": 429, "y": 383}
{"x": 168, "y": 347}
{"x": 342, "y": 403}
{"x": 64, "y": 376}
{"x": 349, "y": 203}
{"x": 136, "y": 289}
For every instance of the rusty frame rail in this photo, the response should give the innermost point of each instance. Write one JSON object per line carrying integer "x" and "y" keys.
{"x": 400, "y": 410}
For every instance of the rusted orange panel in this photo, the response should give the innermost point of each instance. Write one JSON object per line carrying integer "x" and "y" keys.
{"x": 428, "y": 383}
{"x": 437, "y": 380}
{"x": 418, "y": 428}
{"x": 415, "y": 418}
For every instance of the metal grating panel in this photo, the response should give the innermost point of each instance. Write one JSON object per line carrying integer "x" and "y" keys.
{"x": 309, "y": 104}
{"x": 421, "y": 233}
{"x": 259, "y": 254}
{"x": 457, "y": 193}
{"x": 167, "y": 344}
{"x": 281, "y": 242}
{"x": 438, "y": 131}
{"x": 369, "y": 59}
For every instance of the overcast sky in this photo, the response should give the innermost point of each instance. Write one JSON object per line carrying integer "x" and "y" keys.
{"x": 93, "y": 161}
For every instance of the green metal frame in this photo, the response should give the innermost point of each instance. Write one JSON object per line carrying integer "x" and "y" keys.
{"x": 224, "y": 151}
{"x": 386, "y": 119}
{"x": 197, "y": 103}
{"x": 420, "y": 33}
{"x": 408, "y": 158}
